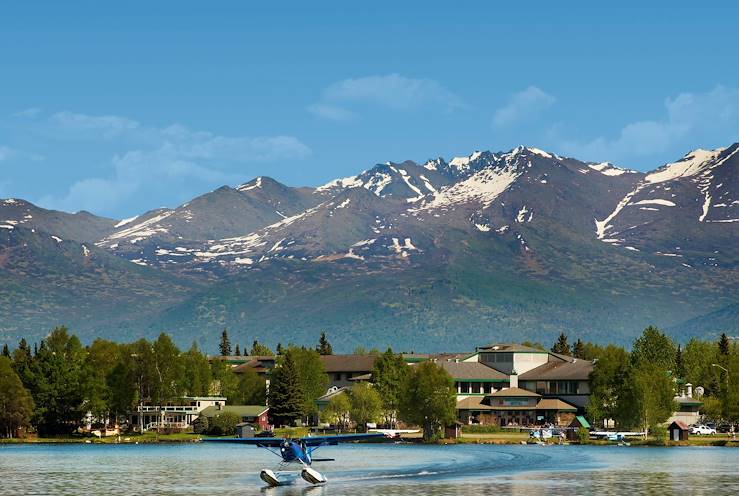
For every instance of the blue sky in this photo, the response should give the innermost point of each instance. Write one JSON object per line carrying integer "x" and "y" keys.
{"x": 122, "y": 107}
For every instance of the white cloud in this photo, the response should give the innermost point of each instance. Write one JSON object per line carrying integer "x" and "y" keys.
{"x": 391, "y": 91}
{"x": 8, "y": 153}
{"x": 698, "y": 118}
{"x": 29, "y": 113}
{"x": 108, "y": 125}
{"x": 173, "y": 157}
{"x": 331, "y": 112}
{"x": 522, "y": 106}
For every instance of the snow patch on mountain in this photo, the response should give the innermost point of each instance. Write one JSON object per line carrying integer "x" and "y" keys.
{"x": 483, "y": 186}
{"x": 657, "y": 201}
{"x": 141, "y": 230}
{"x": 690, "y": 165}
{"x": 250, "y": 186}
{"x": 126, "y": 221}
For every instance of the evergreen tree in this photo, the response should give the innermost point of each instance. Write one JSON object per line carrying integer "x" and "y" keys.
{"x": 723, "y": 344}
{"x": 561, "y": 346}
{"x": 286, "y": 397}
{"x": 225, "y": 346}
{"x": 280, "y": 349}
{"x": 259, "y": 349}
{"x": 579, "y": 350}
{"x": 679, "y": 365}
{"x": 324, "y": 347}
{"x": 6, "y": 351}
{"x": 238, "y": 350}
{"x": 57, "y": 383}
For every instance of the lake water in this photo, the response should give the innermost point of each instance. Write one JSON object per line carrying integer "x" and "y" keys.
{"x": 387, "y": 469}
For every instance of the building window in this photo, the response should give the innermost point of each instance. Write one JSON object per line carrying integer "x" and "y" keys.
{"x": 465, "y": 387}
{"x": 476, "y": 388}
{"x": 337, "y": 376}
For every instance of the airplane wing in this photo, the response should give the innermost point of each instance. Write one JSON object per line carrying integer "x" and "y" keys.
{"x": 339, "y": 438}
{"x": 257, "y": 441}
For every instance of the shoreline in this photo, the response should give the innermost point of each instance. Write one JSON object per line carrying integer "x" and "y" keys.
{"x": 517, "y": 439}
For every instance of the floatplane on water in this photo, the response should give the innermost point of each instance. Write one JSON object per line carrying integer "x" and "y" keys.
{"x": 297, "y": 452}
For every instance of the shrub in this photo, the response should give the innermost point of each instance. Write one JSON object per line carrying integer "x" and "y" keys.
{"x": 200, "y": 425}
{"x": 659, "y": 432}
{"x": 583, "y": 435}
{"x": 224, "y": 424}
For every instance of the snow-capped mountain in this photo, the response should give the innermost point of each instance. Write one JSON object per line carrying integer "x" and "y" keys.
{"x": 492, "y": 242}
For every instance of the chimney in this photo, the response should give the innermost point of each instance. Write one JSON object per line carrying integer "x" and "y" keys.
{"x": 690, "y": 390}
{"x": 514, "y": 379}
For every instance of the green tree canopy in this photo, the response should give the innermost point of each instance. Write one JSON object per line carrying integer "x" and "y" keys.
{"x": 578, "y": 351}
{"x": 337, "y": 412}
{"x": 58, "y": 388}
{"x": 251, "y": 389}
{"x": 225, "y": 345}
{"x": 259, "y": 349}
{"x": 428, "y": 398}
{"x": 387, "y": 374}
{"x": 324, "y": 347}
{"x": 197, "y": 376}
{"x": 562, "y": 346}
{"x": 286, "y": 397}
{"x": 723, "y": 344}
{"x": 312, "y": 374}
{"x": 653, "y": 347}
{"x": 605, "y": 381}
{"x": 16, "y": 404}
{"x": 366, "y": 405}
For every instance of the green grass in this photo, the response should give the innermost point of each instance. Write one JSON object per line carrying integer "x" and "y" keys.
{"x": 146, "y": 438}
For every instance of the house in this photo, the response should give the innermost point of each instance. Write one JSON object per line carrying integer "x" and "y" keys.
{"x": 177, "y": 414}
{"x": 323, "y": 401}
{"x": 474, "y": 378}
{"x": 342, "y": 368}
{"x": 515, "y": 406}
{"x": 580, "y": 422}
{"x": 261, "y": 364}
{"x": 250, "y": 414}
{"x": 513, "y": 384}
{"x": 688, "y": 408}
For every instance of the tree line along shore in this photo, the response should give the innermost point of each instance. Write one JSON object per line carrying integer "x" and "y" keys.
{"x": 48, "y": 388}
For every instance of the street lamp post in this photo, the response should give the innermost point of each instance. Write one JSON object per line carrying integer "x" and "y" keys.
{"x": 724, "y": 369}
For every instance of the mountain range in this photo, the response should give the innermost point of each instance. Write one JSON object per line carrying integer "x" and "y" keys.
{"x": 443, "y": 255}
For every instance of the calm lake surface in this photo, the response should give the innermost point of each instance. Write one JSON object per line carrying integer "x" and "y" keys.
{"x": 202, "y": 469}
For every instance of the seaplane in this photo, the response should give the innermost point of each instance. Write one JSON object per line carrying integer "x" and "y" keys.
{"x": 296, "y": 452}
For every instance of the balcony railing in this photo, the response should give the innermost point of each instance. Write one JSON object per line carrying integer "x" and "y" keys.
{"x": 170, "y": 408}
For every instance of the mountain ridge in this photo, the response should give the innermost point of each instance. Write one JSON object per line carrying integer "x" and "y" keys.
{"x": 629, "y": 248}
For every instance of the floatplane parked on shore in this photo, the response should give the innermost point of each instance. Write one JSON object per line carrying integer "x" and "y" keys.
{"x": 297, "y": 452}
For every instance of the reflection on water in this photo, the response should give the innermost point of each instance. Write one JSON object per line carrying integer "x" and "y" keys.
{"x": 406, "y": 470}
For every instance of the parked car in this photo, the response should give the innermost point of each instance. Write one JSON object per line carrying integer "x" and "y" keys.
{"x": 702, "y": 430}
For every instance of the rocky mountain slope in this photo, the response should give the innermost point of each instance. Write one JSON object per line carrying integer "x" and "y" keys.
{"x": 522, "y": 244}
